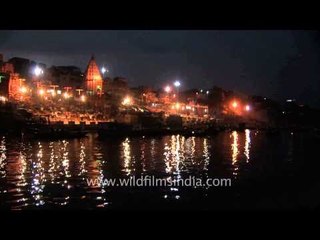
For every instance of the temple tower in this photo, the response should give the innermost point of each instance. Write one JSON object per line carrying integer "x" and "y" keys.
{"x": 93, "y": 78}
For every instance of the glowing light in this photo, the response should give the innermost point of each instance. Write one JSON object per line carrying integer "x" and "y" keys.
{"x": 41, "y": 92}
{"x": 127, "y": 101}
{"x": 66, "y": 95}
{"x": 37, "y": 71}
{"x": 52, "y": 92}
{"x": 247, "y": 144}
{"x": 188, "y": 107}
{"x": 177, "y": 105}
{"x": 59, "y": 92}
{"x": 235, "y": 151}
{"x": 103, "y": 70}
{"x": 3, "y": 99}
{"x": 207, "y": 92}
{"x": 247, "y": 108}
{"x": 127, "y": 155}
{"x": 177, "y": 84}
{"x": 167, "y": 89}
{"x": 83, "y": 98}
{"x": 23, "y": 89}
{"x": 234, "y": 104}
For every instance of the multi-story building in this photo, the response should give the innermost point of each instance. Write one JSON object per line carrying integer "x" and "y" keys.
{"x": 65, "y": 76}
{"x": 25, "y": 67}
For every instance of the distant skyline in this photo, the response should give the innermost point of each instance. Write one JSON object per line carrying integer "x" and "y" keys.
{"x": 278, "y": 64}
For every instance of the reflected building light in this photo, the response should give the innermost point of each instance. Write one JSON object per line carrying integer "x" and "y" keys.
{"x": 193, "y": 148}
{"x": 52, "y": 163}
{"x": 3, "y": 157}
{"x": 143, "y": 157}
{"x": 235, "y": 151}
{"x": 153, "y": 149}
{"x": 82, "y": 161}
{"x": 167, "y": 159}
{"x": 247, "y": 144}
{"x": 65, "y": 159}
{"x": 206, "y": 155}
{"x": 22, "y": 167}
{"x": 38, "y": 177}
{"x": 126, "y": 155}
{"x": 177, "y": 156}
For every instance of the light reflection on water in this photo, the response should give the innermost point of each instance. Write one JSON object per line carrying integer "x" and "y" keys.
{"x": 39, "y": 174}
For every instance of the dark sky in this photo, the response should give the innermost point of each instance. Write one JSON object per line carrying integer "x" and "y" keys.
{"x": 278, "y": 64}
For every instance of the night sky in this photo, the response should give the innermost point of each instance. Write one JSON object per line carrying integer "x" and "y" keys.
{"x": 277, "y": 64}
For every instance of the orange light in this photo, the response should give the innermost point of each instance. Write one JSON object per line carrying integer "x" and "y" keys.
{"x": 3, "y": 99}
{"x": 41, "y": 92}
{"x": 177, "y": 105}
{"x": 23, "y": 89}
{"x": 234, "y": 104}
{"x": 83, "y": 98}
{"x": 66, "y": 95}
{"x": 127, "y": 101}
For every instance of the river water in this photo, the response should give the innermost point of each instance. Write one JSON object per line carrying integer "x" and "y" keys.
{"x": 277, "y": 171}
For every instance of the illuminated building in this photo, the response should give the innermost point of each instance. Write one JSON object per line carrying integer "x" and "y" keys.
{"x": 17, "y": 90}
{"x": 7, "y": 68}
{"x": 93, "y": 78}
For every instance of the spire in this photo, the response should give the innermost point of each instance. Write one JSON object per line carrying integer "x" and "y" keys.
{"x": 93, "y": 78}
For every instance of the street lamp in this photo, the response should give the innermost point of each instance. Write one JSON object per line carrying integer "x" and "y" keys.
{"x": 167, "y": 89}
{"x": 37, "y": 71}
{"x": 177, "y": 84}
{"x": 104, "y": 70}
{"x": 248, "y": 108}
